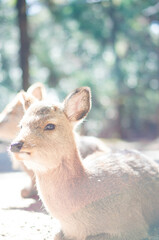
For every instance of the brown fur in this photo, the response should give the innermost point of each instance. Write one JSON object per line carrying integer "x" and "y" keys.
{"x": 13, "y": 112}
{"x": 112, "y": 195}
{"x": 9, "y": 119}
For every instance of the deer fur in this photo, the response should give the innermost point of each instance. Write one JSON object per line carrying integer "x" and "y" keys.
{"x": 13, "y": 112}
{"x": 111, "y": 196}
{"x": 9, "y": 128}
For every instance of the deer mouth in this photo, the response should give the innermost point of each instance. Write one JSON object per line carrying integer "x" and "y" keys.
{"x": 20, "y": 156}
{"x": 22, "y": 152}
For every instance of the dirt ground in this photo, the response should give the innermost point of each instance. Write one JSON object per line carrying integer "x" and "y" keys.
{"x": 22, "y": 219}
{"x": 26, "y": 219}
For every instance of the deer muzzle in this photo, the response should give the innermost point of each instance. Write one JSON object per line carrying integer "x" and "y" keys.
{"x": 16, "y": 147}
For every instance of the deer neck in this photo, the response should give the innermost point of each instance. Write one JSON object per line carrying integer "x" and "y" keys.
{"x": 71, "y": 167}
{"x": 57, "y": 187}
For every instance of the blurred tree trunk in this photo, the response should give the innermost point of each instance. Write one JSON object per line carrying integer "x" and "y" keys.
{"x": 24, "y": 42}
{"x": 117, "y": 71}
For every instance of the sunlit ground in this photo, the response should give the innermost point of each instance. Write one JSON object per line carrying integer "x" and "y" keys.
{"x": 11, "y": 185}
{"x": 22, "y": 218}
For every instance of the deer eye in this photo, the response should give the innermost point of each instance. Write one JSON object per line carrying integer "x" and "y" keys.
{"x": 49, "y": 126}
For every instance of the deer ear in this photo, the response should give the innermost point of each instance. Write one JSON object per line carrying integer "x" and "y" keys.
{"x": 26, "y": 99}
{"x": 78, "y": 104}
{"x": 37, "y": 90}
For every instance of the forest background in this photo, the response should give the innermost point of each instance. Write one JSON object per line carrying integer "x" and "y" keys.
{"x": 111, "y": 46}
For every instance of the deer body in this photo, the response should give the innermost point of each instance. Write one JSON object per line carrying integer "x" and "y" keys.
{"x": 117, "y": 197}
{"x": 115, "y": 194}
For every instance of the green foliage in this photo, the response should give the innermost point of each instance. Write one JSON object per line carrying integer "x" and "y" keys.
{"x": 111, "y": 46}
{"x": 10, "y": 73}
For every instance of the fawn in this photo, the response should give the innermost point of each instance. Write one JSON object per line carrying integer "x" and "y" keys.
{"x": 9, "y": 128}
{"x": 105, "y": 196}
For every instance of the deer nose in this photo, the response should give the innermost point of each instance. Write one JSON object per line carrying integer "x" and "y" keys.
{"x": 15, "y": 147}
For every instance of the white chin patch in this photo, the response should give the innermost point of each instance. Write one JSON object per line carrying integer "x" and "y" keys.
{"x": 35, "y": 166}
{"x": 25, "y": 155}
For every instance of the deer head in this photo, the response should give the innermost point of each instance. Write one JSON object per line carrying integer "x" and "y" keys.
{"x": 13, "y": 112}
{"x": 46, "y": 137}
